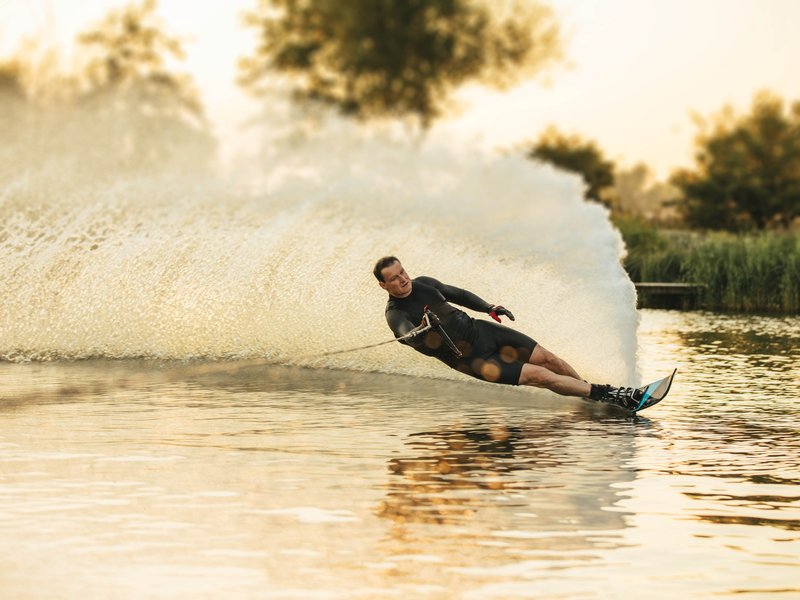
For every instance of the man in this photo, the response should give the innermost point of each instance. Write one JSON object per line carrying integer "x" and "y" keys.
{"x": 421, "y": 315}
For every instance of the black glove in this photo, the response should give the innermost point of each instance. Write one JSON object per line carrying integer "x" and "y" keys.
{"x": 496, "y": 311}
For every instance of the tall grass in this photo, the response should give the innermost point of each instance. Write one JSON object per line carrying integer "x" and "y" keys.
{"x": 744, "y": 272}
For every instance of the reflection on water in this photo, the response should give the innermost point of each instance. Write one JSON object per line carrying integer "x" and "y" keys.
{"x": 132, "y": 479}
{"x": 734, "y": 438}
{"x": 452, "y": 474}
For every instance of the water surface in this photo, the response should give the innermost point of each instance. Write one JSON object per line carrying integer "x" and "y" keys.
{"x": 131, "y": 479}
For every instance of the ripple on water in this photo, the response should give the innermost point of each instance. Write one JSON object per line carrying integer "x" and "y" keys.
{"x": 314, "y": 483}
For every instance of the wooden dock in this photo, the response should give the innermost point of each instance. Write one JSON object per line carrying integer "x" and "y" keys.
{"x": 684, "y": 296}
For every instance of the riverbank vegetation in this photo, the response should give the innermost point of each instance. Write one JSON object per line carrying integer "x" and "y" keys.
{"x": 731, "y": 224}
{"x": 758, "y": 271}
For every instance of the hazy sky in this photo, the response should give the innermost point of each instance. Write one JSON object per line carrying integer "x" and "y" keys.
{"x": 638, "y": 67}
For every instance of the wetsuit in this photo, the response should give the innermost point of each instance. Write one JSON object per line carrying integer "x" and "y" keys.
{"x": 490, "y": 351}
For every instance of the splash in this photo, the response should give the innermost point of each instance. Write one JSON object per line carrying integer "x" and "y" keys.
{"x": 172, "y": 267}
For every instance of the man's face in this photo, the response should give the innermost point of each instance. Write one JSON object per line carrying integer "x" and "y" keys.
{"x": 395, "y": 280}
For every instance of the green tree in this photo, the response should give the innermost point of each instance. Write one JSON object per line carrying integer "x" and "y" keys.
{"x": 13, "y": 100}
{"x": 397, "y": 58}
{"x": 638, "y": 195}
{"x": 573, "y": 153}
{"x": 147, "y": 114}
{"x": 747, "y": 172}
{"x": 11, "y": 88}
{"x": 14, "y": 113}
{"x": 33, "y": 93}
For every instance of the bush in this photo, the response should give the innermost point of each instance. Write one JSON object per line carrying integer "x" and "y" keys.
{"x": 748, "y": 272}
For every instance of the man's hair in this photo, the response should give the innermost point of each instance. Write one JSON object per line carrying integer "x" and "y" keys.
{"x": 381, "y": 265}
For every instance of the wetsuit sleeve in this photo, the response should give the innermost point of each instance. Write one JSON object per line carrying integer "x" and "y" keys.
{"x": 458, "y": 296}
{"x": 400, "y": 324}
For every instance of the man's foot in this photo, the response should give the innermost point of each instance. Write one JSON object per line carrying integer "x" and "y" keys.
{"x": 627, "y": 398}
{"x": 598, "y": 391}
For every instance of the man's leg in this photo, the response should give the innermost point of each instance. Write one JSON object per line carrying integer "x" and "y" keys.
{"x": 542, "y": 357}
{"x": 545, "y": 369}
{"x": 542, "y": 369}
{"x": 560, "y": 384}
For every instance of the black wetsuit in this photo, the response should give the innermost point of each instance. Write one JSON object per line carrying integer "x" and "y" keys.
{"x": 490, "y": 351}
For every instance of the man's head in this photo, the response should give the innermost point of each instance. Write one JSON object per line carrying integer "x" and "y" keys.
{"x": 392, "y": 276}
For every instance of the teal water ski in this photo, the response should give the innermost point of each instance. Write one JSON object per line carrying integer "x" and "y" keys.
{"x": 655, "y": 392}
{"x": 636, "y": 399}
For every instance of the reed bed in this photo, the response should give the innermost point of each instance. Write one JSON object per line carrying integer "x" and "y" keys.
{"x": 755, "y": 272}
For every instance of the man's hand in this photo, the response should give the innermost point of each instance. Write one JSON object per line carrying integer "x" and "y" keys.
{"x": 496, "y": 311}
{"x": 429, "y": 317}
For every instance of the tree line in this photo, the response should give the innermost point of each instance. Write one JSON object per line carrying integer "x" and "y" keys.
{"x": 377, "y": 60}
{"x": 123, "y": 108}
{"x": 746, "y": 174}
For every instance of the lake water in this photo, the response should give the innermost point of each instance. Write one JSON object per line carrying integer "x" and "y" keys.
{"x": 126, "y": 479}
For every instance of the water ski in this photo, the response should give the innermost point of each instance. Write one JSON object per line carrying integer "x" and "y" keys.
{"x": 636, "y": 399}
{"x": 653, "y": 393}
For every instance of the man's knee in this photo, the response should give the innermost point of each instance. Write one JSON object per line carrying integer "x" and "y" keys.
{"x": 544, "y": 358}
{"x": 537, "y": 376}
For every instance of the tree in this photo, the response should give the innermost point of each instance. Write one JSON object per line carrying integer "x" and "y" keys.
{"x": 13, "y": 100}
{"x": 397, "y": 58}
{"x": 11, "y": 88}
{"x": 637, "y": 194}
{"x": 148, "y": 115}
{"x": 14, "y": 111}
{"x": 576, "y": 155}
{"x": 32, "y": 94}
{"x": 747, "y": 172}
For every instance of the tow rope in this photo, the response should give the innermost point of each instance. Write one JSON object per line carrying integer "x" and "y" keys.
{"x": 429, "y": 323}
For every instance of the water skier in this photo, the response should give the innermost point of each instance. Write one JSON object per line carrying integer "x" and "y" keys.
{"x": 420, "y": 314}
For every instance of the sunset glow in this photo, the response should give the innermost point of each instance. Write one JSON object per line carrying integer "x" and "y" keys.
{"x": 636, "y": 73}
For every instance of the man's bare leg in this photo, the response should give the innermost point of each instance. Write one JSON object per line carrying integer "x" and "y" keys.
{"x": 542, "y": 357}
{"x": 543, "y": 377}
{"x": 545, "y": 369}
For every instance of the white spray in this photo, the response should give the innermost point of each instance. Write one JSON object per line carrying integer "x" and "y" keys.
{"x": 175, "y": 268}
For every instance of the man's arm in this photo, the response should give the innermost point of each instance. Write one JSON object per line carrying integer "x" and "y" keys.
{"x": 400, "y": 325}
{"x": 461, "y": 297}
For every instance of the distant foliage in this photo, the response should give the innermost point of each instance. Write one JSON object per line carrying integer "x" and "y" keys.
{"x": 33, "y": 101}
{"x": 123, "y": 108}
{"x": 747, "y": 174}
{"x": 743, "y": 272}
{"x": 758, "y": 272}
{"x": 150, "y": 113}
{"x": 574, "y": 154}
{"x": 397, "y": 58}
{"x": 637, "y": 194}
{"x": 13, "y": 100}
{"x": 11, "y": 89}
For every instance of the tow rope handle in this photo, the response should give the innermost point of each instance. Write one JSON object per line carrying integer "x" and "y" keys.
{"x": 432, "y": 322}
{"x": 429, "y": 319}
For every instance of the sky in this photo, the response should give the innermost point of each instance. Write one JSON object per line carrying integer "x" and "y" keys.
{"x": 637, "y": 69}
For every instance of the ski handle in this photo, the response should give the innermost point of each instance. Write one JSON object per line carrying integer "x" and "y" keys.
{"x": 431, "y": 321}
